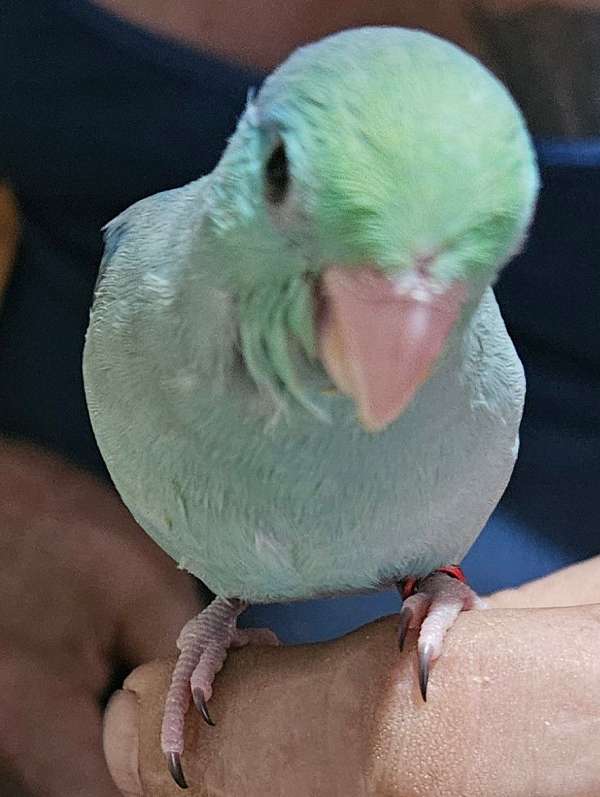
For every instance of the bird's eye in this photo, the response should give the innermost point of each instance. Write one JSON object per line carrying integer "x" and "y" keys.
{"x": 277, "y": 175}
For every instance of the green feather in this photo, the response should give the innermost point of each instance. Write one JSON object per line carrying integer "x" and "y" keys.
{"x": 276, "y": 330}
{"x": 399, "y": 147}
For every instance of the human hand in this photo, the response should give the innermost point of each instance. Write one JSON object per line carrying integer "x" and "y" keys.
{"x": 513, "y": 710}
{"x": 83, "y": 593}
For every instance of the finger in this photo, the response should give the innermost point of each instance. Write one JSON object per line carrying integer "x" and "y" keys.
{"x": 121, "y": 742}
{"x": 530, "y": 679}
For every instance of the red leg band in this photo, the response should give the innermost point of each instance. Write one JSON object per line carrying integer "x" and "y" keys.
{"x": 410, "y": 584}
{"x": 454, "y": 571}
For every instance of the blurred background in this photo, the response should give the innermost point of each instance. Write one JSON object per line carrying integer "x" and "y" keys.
{"x": 102, "y": 104}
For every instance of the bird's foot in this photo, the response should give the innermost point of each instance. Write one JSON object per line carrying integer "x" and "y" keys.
{"x": 432, "y": 605}
{"x": 203, "y": 644}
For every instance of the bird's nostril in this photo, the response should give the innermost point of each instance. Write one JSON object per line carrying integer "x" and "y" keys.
{"x": 423, "y": 263}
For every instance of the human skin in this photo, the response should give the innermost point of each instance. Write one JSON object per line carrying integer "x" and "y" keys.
{"x": 66, "y": 546}
{"x": 84, "y": 593}
{"x": 279, "y": 27}
{"x": 544, "y": 50}
{"x": 9, "y": 229}
{"x": 529, "y": 656}
{"x": 223, "y": 29}
{"x": 513, "y": 709}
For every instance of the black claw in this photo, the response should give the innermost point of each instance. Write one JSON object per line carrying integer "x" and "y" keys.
{"x": 200, "y": 703}
{"x": 174, "y": 762}
{"x": 424, "y": 661}
{"x": 405, "y": 619}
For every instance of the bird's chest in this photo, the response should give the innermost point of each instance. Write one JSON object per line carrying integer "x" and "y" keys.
{"x": 301, "y": 509}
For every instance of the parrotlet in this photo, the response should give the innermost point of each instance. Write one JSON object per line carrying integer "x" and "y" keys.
{"x": 295, "y": 367}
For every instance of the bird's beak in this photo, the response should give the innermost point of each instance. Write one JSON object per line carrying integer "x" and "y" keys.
{"x": 379, "y": 337}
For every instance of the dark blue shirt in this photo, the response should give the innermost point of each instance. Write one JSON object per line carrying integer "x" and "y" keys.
{"x": 96, "y": 114}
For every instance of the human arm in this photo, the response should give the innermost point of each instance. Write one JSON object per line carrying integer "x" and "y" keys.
{"x": 84, "y": 595}
{"x": 577, "y": 585}
{"x": 513, "y": 709}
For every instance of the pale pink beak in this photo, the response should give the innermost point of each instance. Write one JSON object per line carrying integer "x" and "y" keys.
{"x": 379, "y": 338}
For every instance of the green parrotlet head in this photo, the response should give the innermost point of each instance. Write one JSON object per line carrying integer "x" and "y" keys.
{"x": 374, "y": 187}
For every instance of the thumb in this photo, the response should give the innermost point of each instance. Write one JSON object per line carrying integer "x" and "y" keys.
{"x": 122, "y": 741}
